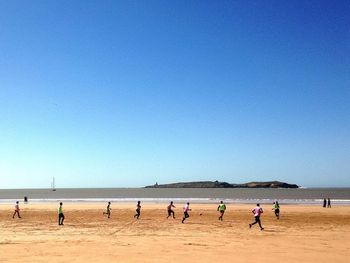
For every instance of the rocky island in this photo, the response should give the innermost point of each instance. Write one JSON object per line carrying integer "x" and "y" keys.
{"x": 217, "y": 184}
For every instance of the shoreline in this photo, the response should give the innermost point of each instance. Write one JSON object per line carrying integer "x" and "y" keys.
{"x": 301, "y": 202}
{"x": 310, "y": 197}
{"x": 160, "y": 203}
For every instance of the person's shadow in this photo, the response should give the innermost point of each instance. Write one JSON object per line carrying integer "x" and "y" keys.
{"x": 271, "y": 231}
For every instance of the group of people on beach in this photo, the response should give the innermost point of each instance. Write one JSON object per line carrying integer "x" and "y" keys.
{"x": 327, "y": 203}
{"x": 257, "y": 211}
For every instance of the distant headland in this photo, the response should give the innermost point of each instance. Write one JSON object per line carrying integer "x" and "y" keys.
{"x": 217, "y": 184}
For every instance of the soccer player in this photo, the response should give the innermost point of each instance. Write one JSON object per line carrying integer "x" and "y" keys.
{"x": 170, "y": 210}
{"x": 108, "y": 210}
{"x": 221, "y": 209}
{"x": 16, "y": 210}
{"x": 257, "y": 211}
{"x": 276, "y": 207}
{"x": 138, "y": 210}
{"x": 60, "y": 215}
{"x": 186, "y": 215}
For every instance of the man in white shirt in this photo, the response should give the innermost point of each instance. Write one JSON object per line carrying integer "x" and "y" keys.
{"x": 186, "y": 209}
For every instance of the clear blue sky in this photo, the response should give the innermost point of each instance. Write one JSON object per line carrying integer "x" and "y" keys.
{"x": 127, "y": 93}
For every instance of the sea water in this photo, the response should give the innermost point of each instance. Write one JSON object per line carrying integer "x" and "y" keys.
{"x": 339, "y": 196}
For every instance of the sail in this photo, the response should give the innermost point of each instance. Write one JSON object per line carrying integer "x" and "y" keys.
{"x": 53, "y": 184}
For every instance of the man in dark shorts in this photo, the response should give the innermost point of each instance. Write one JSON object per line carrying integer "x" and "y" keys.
{"x": 170, "y": 210}
{"x": 16, "y": 211}
{"x": 257, "y": 211}
{"x": 108, "y": 210}
{"x": 60, "y": 215}
{"x": 221, "y": 209}
{"x": 276, "y": 208}
{"x": 138, "y": 210}
{"x": 186, "y": 215}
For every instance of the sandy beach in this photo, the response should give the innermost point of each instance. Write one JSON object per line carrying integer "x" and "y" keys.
{"x": 304, "y": 234}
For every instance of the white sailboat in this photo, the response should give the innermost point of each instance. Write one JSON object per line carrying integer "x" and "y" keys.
{"x": 53, "y": 184}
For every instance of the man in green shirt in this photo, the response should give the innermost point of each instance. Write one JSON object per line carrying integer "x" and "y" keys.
{"x": 221, "y": 209}
{"x": 276, "y": 207}
{"x": 60, "y": 215}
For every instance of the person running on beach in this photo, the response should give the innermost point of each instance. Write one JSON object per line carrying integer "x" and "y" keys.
{"x": 16, "y": 210}
{"x": 329, "y": 203}
{"x": 108, "y": 210}
{"x": 257, "y": 211}
{"x": 221, "y": 209}
{"x": 138, "y": 210}
{"x": 276, "y": 207}
{"x": 60, "y": 215}
{"x": 186, "y": 215}
{"x": 170, "y": 210}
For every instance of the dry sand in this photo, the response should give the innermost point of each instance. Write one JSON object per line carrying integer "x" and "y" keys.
{"x": 303, "y": 234}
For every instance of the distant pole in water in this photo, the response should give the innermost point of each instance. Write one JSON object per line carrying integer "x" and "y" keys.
{"x": 53, "y": 185}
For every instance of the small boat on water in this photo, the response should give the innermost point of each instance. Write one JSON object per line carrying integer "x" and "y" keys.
{"x": 53, "y": 184}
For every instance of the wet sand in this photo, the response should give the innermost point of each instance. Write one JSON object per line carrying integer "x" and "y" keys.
{"x": 304, "y": 234}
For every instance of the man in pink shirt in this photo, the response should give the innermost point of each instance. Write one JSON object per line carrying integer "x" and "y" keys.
{"x": 186, "y": 209}
{"x": 257, "y": 211}
{"x": 16, "y": 210}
